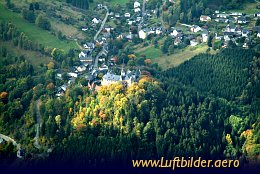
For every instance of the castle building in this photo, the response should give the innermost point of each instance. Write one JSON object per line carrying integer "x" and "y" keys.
{"x": 128, "y": 77}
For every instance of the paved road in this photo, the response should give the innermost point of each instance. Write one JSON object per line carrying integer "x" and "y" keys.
{"x": 7, "y": 138}
{"x": 103, "y": 23}
{"x": 142, "y": 21}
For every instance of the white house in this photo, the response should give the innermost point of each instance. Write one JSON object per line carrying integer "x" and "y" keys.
{"x": 158, "y": 31}
{"x": 223, "y": 15}
{"x": 127, "y": 15}
{"x": 71, "y": 74}
{"x": 195, "y": 29}
{"x": 205, "y": 36}
{"x": 137, "y": 10}
{"x": 257, "y": 14}
{"x": 245, "y": 33}
{"x": 95, "y": 21}
{"x": 176, "y": 32}
{"x": 241, "y": 20}
{"x": 193, "y": 43}
{"x": 142, "y": 34}
{"x": 204, "y": 18}
{"x": 258, "y": 35}
{"x": 137, "y": 4}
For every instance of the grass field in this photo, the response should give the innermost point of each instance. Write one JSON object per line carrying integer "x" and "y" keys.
{"x": 121, "y": 2}
{"x": 173, "y": 60}
{"x": 150, "y": 52}
{"x": 35, "y": 58}
{"x": 35, "y": 33}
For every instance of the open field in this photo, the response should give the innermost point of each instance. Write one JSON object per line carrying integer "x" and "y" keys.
{"x": 121, "y": 2}
{"x": 150, "y": 52}
{"x": 35, "y": 33}
{"x": 173, "y": 60}
{"x": 35, "y": 58}
{"x": 178, "y": 58}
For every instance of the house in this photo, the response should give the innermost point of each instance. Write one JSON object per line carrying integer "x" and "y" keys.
{"x": 108, "y": 29}
{"x": 242, "y": 20}
{"x": 228, "y": 36}
{"x": 128, "y": 77}
{"x": 245, "y": 33}
{"x": 99, "y": 6}
{"x": 204, "y": 18}
{"x": 205, "y": 36}
{"x": 74, "y": 75}
{"x": 89, "y": 46}
{"x": 177, "y": 41}
{"x": 84, "y": 54}
{"x": 96, "y": 21}
{"x": 142, "y": 34}
{"x": 176, "y": 32}
{"x": 217, "y": 37}
{"x": 193, "y": 43}
{"x": 230, "y": 28}
{"x": 103, "y": 67}
{"x": 139, "y": 18}
{"x": 257, "y": 14}
{"x": 236, "y": 14}
{"x": 136, "y": 10}
{"x": 137, "y": 4}
{"x": 81, "y": 68}
{"x": 127, "y": 15}
{"x": 195, "y": 28}
{"x": 222, "y": 20}
{"x": 223, "y": 15}
{"x": 117, "y": 15}
{"x": 258, "y": 35}
{"x": 158, "y": 31}
{"x": 84, "y": 29}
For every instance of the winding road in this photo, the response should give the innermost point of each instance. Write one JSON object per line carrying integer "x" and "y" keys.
{"x": 7, "y": 138}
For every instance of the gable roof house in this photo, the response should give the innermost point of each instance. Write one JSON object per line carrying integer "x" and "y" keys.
{"x": 142, "y": 34}
{"x": 230, "y": 28}
{"x": 228, "y": 36}
{"x": 204, "y": 18}
{"x": 223, "y": 15}
{"x": 127, "y": 15}
{"x": 242, "y": 20}
{"x": 205, "y": 36}
{"x": 195, "y": 28}
{"x": 89, "y": 45}
{"x": 257, "y": 14}
{"x": 136, "y": 10}
{"x": 176, "y": 32}
{"x": 222, "y": 20}
{"x": 137, "y": 4}
{"x": 245, "y": 33}
{"x": 96, "y": 21}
